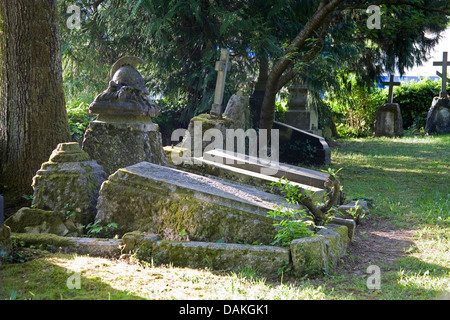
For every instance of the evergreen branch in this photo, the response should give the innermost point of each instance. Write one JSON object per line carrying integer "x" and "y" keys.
{"x": 444, "y": 10}
{"x": 317, "y": 47}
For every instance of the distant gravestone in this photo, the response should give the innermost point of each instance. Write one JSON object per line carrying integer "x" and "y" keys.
{"x": 222, "y": 66}
{"x": 123, "y": 133}
{"x": 300, "y": 113}
{"x": 388, "y": 119}
{"x": 444, "y": 63}
{"x": 438, "y": 118}
{"x": 238, "y": 110}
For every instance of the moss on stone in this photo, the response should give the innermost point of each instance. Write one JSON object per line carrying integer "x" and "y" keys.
{"x": 33, "y": 220}
{"x": 37, "y": 239}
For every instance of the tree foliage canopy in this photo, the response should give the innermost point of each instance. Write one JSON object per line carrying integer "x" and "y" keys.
{"x": 179, "y": 39}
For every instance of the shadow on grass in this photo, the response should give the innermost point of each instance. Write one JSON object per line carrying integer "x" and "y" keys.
{"x": 40, "y": 279}
{"x": 417, "y": 279}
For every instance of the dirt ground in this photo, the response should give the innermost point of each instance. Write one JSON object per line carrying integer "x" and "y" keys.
{"x": 376, "y": 242}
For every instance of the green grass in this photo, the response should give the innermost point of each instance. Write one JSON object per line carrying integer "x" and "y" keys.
{"x": 408, "y": 178}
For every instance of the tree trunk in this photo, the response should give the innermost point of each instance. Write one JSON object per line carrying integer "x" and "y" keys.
{"x": 257, "y": 96}
{"x": 33, "y": 117}
{"x": 276, "y": 79}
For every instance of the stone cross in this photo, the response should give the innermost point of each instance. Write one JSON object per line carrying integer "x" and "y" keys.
{"x": 444, "y": 63}
{"x": 222, "y": 66}
{"x": 2, "y": 217}
{"x": 391, "y": 84}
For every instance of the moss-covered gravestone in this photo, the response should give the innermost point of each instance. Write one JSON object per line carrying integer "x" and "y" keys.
{"x": 65, "y": 194}
{"x": 124, "y": 133}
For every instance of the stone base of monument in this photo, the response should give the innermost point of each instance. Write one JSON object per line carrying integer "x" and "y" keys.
{"x": 117, "y": 144}
{"x": 65, "y": 194}
{"x": 312, "y": 255}
{"x": 438, "y": 119}
{"x": 388, "y": 122}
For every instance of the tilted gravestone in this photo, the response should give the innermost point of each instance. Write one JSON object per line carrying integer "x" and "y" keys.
{"x": 438, "y": 118}
{"x": 388, "y": 118}
{"x": 123, "y": 133}
{"x": 301, "y": 147}
{"x": 177, "y": 204}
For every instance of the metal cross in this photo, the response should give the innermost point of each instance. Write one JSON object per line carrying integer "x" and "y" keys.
{"x": 391, "y": 84}
{"x": 444, "y": 63}
{"x": 222, "y": 66}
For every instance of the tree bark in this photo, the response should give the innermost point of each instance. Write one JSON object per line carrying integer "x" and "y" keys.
{"x": 33, "y": 117}
{"x": 257, "y": 96}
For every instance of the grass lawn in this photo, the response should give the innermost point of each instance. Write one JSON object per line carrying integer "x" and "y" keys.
{"x": 406, "y": 234}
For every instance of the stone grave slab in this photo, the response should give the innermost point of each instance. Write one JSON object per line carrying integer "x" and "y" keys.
{"x": 179, "y": 205}
{"x": 310, "y": 179}
{"x": 240, "y": 175}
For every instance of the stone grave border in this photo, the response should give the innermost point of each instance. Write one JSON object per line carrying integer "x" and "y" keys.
{"x": 313, "y": 255}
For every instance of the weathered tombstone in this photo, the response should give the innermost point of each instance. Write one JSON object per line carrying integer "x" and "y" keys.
{"x": 222, "y": 66}
{"x": 438, "y": 118}
{"x": 65, "y": 194}
{"x": 238, "y": 110}
{"x": 123, "y": 133}
{"x": 389, "y": 120}
{"x": 300, "y": 113}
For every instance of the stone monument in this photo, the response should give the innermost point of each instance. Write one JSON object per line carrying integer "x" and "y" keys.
{"x": 438, "y": 118}
{"x": 222, "y": 66}
{"x": 124, "y": 133}
{"x": 238, "y": 110}
{"x": 65, "y": 195}
{"x": 389, "y": 122}
{"x": 300, "y": 114}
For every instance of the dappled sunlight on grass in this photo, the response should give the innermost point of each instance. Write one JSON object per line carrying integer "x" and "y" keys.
{"x": 103, "y": 279}
{"x": 408, "y": 179}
